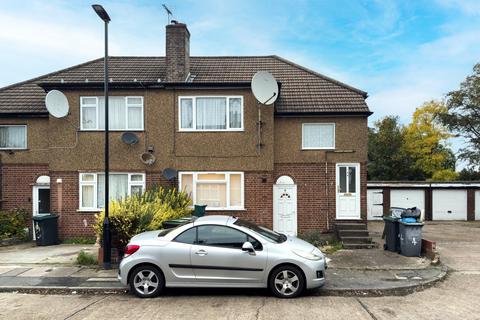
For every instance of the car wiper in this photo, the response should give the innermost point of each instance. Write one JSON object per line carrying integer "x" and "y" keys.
{"x": 283, "y": 237}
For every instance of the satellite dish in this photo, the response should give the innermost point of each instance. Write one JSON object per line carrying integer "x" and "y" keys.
{"x": 169, "y": 173}
{"x": 147, "y": 158}
{"x": 264, "y": 87}
{"x": 129, "y": 138}
{"x": 57, "y": 104}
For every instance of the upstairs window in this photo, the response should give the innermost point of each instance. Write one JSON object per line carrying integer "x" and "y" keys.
{"x": 13, "y": 137}
{"x": 125, "y": 113}
{"x": 219, "y": 113}
{"x": 318, "y": 136}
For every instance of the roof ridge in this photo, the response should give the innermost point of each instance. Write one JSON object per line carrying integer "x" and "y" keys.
{"x": 363, "y": 93}
{"x": 49, "y": 74}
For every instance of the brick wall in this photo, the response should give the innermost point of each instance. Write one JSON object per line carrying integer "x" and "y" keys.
{"x": 17, "y": 183}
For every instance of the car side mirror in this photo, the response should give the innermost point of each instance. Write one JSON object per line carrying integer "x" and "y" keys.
{"x": 248, "y": 246}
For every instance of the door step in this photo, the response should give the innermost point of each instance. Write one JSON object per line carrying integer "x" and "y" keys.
{"x": 354, "y": 235}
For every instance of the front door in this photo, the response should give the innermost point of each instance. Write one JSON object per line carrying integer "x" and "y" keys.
{"x": 41, "y": 201}
{"x": 348, "y": 191}
{"x": 285, "y": 209}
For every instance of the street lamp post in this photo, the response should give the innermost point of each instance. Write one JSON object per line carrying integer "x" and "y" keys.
{"x": 106, "y": 223}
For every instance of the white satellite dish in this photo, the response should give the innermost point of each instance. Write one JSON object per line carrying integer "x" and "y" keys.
{"x": 264, "y": 87}
{"x": 57, "y": 104}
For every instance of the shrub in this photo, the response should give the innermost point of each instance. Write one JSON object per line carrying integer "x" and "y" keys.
{"x": 139, "y": 213}
{"x": 86, "y": 259}
{"x": 13, "y": 223}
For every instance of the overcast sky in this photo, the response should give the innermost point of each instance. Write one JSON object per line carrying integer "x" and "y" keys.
{"x": 401, "y": 52}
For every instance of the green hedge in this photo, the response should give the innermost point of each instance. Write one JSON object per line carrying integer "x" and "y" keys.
{"x": 13, "y": 223}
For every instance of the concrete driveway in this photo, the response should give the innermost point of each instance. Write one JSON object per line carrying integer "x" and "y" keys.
{"x": 30, "y": 254}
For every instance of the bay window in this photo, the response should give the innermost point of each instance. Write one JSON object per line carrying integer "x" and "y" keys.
{"x": 318, "y": 136}
{"x": 216, "y": 113}
{"x": 125, "y": 113}
{"x": 92, "y": 188}
{"x": 13, "y": 137}
{"x": 217, "y": 190}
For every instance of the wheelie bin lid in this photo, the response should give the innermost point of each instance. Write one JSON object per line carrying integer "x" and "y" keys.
{"x": 44, "y": 217}
{"x": 390, "y": 218}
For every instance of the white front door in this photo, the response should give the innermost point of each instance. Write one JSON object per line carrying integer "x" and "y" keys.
{"x": 285, "y": 208}
{"x": 348, "y": 191}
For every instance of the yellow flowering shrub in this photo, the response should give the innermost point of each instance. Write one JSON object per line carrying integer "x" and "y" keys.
{"x": 138, "y": 213}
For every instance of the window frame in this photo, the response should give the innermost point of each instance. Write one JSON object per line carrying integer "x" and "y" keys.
{"x": 194, "y": 114}
{"x": 26, "y": 136}
{"x": 319, "y": 124}
{"x": 227, "y": 174}
{"x": 97, "y": 110}
{"x": 94, "y": 183}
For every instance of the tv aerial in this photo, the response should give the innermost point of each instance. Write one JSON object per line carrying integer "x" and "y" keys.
{"x": 169, "y": 13}
{"x": 264, "y": 87}
{"x": 169, "y": 173}
{"x": 129, "y": 138}
{"x": 57, "y": 104}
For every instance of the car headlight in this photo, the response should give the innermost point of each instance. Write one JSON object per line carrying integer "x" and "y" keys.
{"x": 308, "y": 255}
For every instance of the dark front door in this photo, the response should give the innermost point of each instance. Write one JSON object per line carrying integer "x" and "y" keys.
{"x": 43, "y": 201}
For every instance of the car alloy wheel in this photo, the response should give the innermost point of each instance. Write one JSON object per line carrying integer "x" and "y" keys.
{"x": 287, "y": 282}
{"x": 146, "y": 282}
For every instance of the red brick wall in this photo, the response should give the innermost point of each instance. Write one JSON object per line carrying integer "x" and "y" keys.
{"x": 17, "y": 183}
{"x": 313, "y": 203}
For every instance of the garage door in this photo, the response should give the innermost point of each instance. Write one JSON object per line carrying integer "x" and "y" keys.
{"x": 374, "y": 204}
{"x": 449, "y": 205}
{"x": 408, "y": 198}
{"x": 477, "y": 205}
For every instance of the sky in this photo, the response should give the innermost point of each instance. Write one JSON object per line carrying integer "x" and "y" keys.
{"x": 402, "y": 53}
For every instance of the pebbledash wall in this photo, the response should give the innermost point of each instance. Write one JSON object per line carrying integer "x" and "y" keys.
{"x": 315, "y": 195}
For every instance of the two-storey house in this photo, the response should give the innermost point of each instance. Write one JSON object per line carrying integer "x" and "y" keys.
{"x": 297, "y": 165}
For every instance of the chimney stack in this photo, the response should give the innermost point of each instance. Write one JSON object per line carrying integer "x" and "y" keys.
{"x": 177, "y": 53}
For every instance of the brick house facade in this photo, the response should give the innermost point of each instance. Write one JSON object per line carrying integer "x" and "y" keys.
{"x": 330, "y": 182}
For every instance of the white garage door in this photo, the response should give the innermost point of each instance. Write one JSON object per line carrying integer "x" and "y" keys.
{"x": 374, "y": 204}
{"x": 477, "y": 205}
{"x": 449, "y": 205}
{"x": 408, "y": 198}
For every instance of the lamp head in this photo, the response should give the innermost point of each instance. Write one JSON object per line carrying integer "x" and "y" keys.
{"x": 101, "y": 12}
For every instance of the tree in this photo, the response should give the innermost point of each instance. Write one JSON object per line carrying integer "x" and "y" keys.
{"x": 463, "y": 116}
{"x": 387, "y": 157}
{"x": 468, "y": 174}
{"x": 426, "y": 142}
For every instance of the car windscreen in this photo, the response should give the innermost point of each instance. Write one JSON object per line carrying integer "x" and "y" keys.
{"x": 264, "y": 232}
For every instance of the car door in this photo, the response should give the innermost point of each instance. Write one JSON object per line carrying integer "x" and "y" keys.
{"x": 218, "y": 258}
{"x": 176, "y": 256}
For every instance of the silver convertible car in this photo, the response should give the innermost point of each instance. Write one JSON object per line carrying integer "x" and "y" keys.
{"x": 221, "y": 251}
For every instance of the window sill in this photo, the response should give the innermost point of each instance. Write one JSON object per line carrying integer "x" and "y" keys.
{"x": 225, "y": 209}
{"x": 229, "y": 130}
{"x": 309, "y": 149}
{"x": 112, "y": 130}
{"x": 13, "y": 149}
{"x": 89, "y": 210}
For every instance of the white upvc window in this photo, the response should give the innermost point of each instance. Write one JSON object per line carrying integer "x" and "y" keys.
{"x": 210, "y": 113}
{"x": 92, "y": 188}
{"x": 217, "y": 190}
{"x": 125, "y": 113}
{"x": 13, "y": 137}
{"x": 318, "y": 136}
